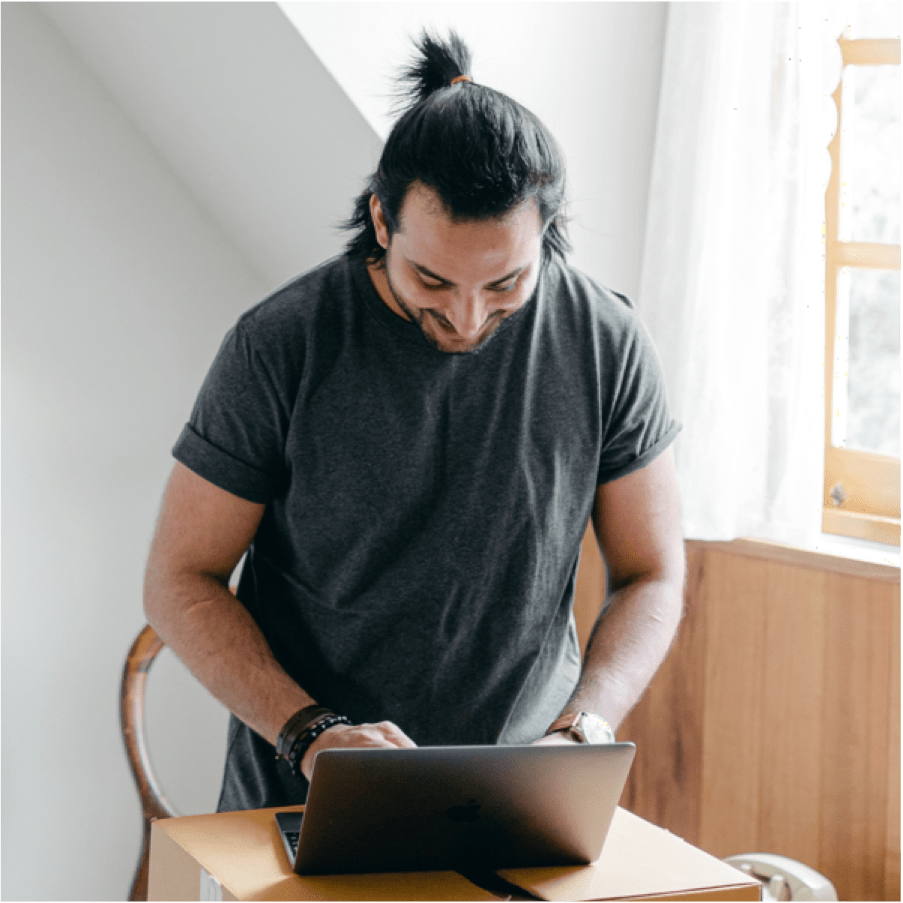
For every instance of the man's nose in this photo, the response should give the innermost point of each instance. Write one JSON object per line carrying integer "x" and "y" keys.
{"x": 467, "y": 316}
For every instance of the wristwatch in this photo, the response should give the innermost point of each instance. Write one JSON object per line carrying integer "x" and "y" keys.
{"x": 584, "y": 727}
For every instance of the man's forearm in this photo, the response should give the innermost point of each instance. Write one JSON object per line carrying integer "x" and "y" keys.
{"x": 626, "y": 647}
{"x": 222, "y": 646}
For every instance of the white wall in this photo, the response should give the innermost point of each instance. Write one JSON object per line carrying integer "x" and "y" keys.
{"x": 590, "y": 71}
{"x": 119, "y": 281}
{"x": 116, "y": 289}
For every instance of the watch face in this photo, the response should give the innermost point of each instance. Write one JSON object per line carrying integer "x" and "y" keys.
{"x": 596, "y": 729}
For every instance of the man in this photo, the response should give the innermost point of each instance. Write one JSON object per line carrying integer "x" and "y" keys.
{"x": 408, "y": 442}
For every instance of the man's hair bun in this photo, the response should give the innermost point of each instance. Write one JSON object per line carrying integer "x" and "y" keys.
{"x": 436, "y": 63}
{"x": 479, "y": 150}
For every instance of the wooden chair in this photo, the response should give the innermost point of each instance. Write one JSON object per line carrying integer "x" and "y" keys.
{"x": 154, "y": 805}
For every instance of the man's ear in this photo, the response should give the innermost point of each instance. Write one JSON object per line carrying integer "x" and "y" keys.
{"x": 379, "y": 221}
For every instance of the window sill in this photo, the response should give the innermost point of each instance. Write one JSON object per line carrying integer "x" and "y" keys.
{"x": 853, "y": 525}
{"x": 832, "y": 553}
{"x": 859, "y": 549}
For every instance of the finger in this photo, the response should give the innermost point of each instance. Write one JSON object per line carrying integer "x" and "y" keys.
{"x": 556, "y": 739}
{"x": 371, "y": 735}
{"x": 356, "y": 735}
{"x": 395, "y": 734}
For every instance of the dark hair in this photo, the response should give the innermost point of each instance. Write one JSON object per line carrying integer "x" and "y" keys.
{"x": 482, "y": 152}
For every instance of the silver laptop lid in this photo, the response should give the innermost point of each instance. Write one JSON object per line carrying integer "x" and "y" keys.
{"x": 378, "y": 810}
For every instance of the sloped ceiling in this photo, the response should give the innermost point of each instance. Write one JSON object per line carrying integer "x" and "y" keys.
{"x": 245, "y": 114}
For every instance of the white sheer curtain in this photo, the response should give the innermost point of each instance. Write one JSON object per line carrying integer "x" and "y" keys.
{"x": 733, "y": 273}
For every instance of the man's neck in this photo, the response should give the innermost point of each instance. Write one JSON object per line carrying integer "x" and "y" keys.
{"x": 377, "y": 273}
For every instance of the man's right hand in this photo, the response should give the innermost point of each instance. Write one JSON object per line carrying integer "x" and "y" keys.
{"x": 383, "y": 735}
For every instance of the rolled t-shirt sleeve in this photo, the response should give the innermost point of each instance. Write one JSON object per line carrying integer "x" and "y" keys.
{"x": 640, "y": 426}
{"x": 235, "y": 437}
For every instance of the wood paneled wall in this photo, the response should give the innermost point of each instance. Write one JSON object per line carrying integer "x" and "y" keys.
{"x": 774, "y": 724}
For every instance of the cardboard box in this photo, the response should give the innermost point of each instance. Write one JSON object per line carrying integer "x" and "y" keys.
{"x": 239, "y": 856}
{"x": 640, "y": 860}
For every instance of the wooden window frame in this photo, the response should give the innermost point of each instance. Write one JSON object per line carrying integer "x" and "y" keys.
{"x": 869, "y": 506}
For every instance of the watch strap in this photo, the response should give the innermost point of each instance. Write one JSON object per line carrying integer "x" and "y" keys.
{"x": 567, "y": 724}
{"x": 578, "y": 726}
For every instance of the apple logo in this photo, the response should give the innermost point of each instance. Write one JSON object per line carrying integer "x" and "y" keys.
{"x": 468, "y": 813}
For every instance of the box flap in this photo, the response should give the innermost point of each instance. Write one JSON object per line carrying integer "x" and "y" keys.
{"x": 244, "y": 852}
{"x": 638, "y": 860}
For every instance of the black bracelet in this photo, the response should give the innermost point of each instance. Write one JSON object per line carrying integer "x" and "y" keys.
{"x": 296, "y": 725}
{"x": 307, "y": 737}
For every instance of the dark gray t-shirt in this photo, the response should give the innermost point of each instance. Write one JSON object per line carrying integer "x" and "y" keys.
{"x": 417, "y": 558}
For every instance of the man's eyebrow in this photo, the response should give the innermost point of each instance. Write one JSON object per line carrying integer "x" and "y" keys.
{"x": 431, "y": 275}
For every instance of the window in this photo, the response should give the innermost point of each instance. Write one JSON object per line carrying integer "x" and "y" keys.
{"x": 862, "y": 282}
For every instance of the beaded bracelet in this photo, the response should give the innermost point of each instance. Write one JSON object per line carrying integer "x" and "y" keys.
{"x": 296, "y": 725}
{"x": 307, "y": 737}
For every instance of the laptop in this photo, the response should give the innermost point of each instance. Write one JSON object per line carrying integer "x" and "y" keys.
{"x": 456, "y": 807}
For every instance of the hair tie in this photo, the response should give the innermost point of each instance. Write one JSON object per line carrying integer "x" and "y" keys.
{"x": 461, "y": 78}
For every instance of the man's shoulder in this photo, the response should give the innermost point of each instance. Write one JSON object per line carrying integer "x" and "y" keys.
{"x": 577, "y": 284}
{"x": 589, "y": 302}
{"x": 302, "y": 302}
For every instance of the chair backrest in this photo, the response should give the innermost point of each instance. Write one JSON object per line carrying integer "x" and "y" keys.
{"x": 144, "y": 650}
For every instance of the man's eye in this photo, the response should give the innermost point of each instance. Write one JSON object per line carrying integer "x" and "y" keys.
{"x": 507, "y": 287}
{"x": 428, "y": 284}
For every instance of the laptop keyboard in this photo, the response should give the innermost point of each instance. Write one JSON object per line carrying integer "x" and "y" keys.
{"x": 292, "y": 838}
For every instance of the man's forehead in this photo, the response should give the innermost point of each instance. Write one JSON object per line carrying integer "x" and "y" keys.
{"x": 427, "y": 200}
